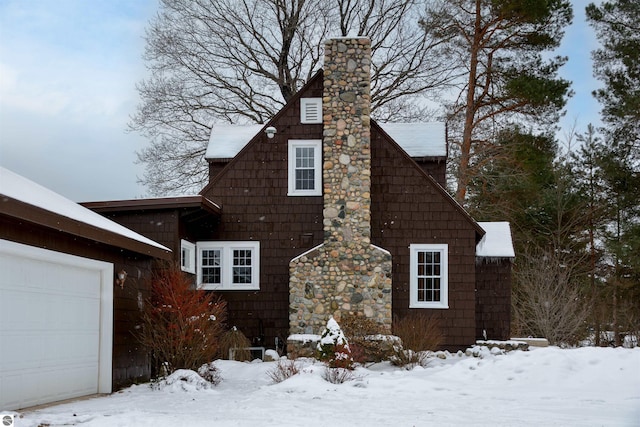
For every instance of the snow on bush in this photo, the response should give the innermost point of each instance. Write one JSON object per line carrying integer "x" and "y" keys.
{"x": 183, "y": 380}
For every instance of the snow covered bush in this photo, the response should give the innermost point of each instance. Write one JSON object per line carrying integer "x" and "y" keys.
{"x": 333, "y": 347}
{"x": 210, "y": 372}
{"x": 183, "y": 380}
{"x": 181, "y": 326}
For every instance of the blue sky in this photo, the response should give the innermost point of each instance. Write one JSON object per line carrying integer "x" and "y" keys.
{"x": 68, "y": 70}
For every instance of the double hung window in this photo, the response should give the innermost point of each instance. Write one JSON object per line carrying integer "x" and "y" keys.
{"x": 429, "y": 276}
{"x": 305, "y": 168}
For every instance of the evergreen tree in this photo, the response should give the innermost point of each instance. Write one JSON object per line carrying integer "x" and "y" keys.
{"x": 497, "y": 47}
{"x": 617, "y": 65}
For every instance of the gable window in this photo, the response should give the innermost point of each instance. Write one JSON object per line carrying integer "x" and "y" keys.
{"x": 228, "y": 265}
{"x": 187, "y": 256}
{"x": 429, "y": 280}
{"x": 305, "y": 167}
{"x": 310, "y": 110}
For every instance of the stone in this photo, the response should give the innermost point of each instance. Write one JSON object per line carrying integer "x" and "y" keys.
{"x": 348, "y": 96}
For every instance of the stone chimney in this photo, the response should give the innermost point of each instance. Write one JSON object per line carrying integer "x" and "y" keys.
{"x": 346, "y": 274}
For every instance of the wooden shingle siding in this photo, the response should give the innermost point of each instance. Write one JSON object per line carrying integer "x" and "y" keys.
{"x": 252, "y": 190}
{"x": 493, "y": 298}
{"x": 407, "y": 208}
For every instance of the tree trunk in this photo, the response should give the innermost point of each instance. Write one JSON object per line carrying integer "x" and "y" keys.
{"x": 470, "y": 109}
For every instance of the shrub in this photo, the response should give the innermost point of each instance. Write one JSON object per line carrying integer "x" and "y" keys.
{"x": 337, "y": 375}
{"x": 236, "y": 340}
{"x": 210, "y": 372}
{"x": 420, "y": 335}
{"x": 283, "y": 370}
{"x": 418, "y": 332}
{"x": 409, "y": 359}
{"x": 181, "y": 326}
{"x": 333, "y": 347}
{"x": 365, "y": 338}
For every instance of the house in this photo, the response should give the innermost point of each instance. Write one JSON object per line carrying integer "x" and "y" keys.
{"x": 323, "y": 211}
{"x": 71, "y": 290}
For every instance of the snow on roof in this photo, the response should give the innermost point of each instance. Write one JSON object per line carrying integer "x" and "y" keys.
{"x": 20, "y": 188}
{"x": 497, "y": 242}
{"x": 227, "y": 140}
{"x": 417, "y": 139}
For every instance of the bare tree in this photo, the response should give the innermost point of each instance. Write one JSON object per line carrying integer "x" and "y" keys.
{"x": 241, "y": 60}
{"x": 546, "y": 301}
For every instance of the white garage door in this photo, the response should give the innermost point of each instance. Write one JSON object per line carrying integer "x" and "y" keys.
{"x": 56, "y": 317}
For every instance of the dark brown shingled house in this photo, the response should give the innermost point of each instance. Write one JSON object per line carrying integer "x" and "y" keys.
{"x": 323, "y": 211}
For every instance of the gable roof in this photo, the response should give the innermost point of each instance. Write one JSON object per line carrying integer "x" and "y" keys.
{"x": 24, "y": 199}
{"x": 416, "y": 139}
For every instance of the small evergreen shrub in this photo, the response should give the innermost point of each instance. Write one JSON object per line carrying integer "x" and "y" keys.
{"x": 333, "y": 348}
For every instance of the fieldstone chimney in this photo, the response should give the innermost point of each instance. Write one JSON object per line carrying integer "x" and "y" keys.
{"x": 346, "y": 274}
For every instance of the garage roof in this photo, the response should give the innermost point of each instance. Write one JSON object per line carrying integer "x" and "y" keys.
{"x": 32, "y": 202}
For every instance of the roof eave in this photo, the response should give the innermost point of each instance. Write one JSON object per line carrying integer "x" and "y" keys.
{"x": 42, "y": 217}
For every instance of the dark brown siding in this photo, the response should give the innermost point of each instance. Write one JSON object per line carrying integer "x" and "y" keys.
{"x": 493, "y": 299}
{"x": 407, "y": 208}
{"x": 130, "y": 361}
{"x": 253, "y": 193}
{"x": 436, "y": 168}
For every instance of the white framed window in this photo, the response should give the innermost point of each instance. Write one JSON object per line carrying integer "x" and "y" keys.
{"x": 305, "y": 167}
{"x": 310, "y": 110}
{"x": 228, "y": 265}
{"x": 188, "y": 256}
{"x": 428, "y": 284}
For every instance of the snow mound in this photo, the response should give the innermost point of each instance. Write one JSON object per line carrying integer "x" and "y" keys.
{"x": 184, "y": 380}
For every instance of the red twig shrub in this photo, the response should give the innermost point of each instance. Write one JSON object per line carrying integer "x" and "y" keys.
{"x": 181, "y": 325}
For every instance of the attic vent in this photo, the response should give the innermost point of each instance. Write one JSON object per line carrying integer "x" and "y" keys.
{"x": 311, "y": 110}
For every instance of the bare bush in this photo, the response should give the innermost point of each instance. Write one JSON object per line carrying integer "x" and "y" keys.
{"x": 181, "y": 326}
{"x": 235, "y": 345}
{"x": 409, "y": 359}
{"x": 284, "y": 369}
{"x": 546, "y": 301}
{"x": 418, "y": 332}
{"x": 338, "y": 375}
{"x": 364, "y": 339}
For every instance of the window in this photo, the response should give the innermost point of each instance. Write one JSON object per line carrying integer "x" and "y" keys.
{"x": 305, "y": 168}
{"x": 428, "y": 282}
{"x": 310, "y": 110}
{"x": 229, "y": 265}
{"x": 187, "y": 256}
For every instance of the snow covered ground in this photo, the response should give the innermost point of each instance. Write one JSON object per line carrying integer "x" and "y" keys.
{"x": 541, "y": 387}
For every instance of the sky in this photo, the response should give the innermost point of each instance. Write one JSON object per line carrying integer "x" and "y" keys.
{"x": 68, "y": 70}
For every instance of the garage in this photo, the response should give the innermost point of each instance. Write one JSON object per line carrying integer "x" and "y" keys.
{"x": 55, "y": 326}
{"x": 71, "y": 287}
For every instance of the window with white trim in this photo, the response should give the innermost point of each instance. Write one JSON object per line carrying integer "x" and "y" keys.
{"x": 187, "y": 256}
{"x": 305, "y": 167}
{"x": 428, "y": 284}
{"x": 310, "y": 110}
{"x": 229, "y": 265}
